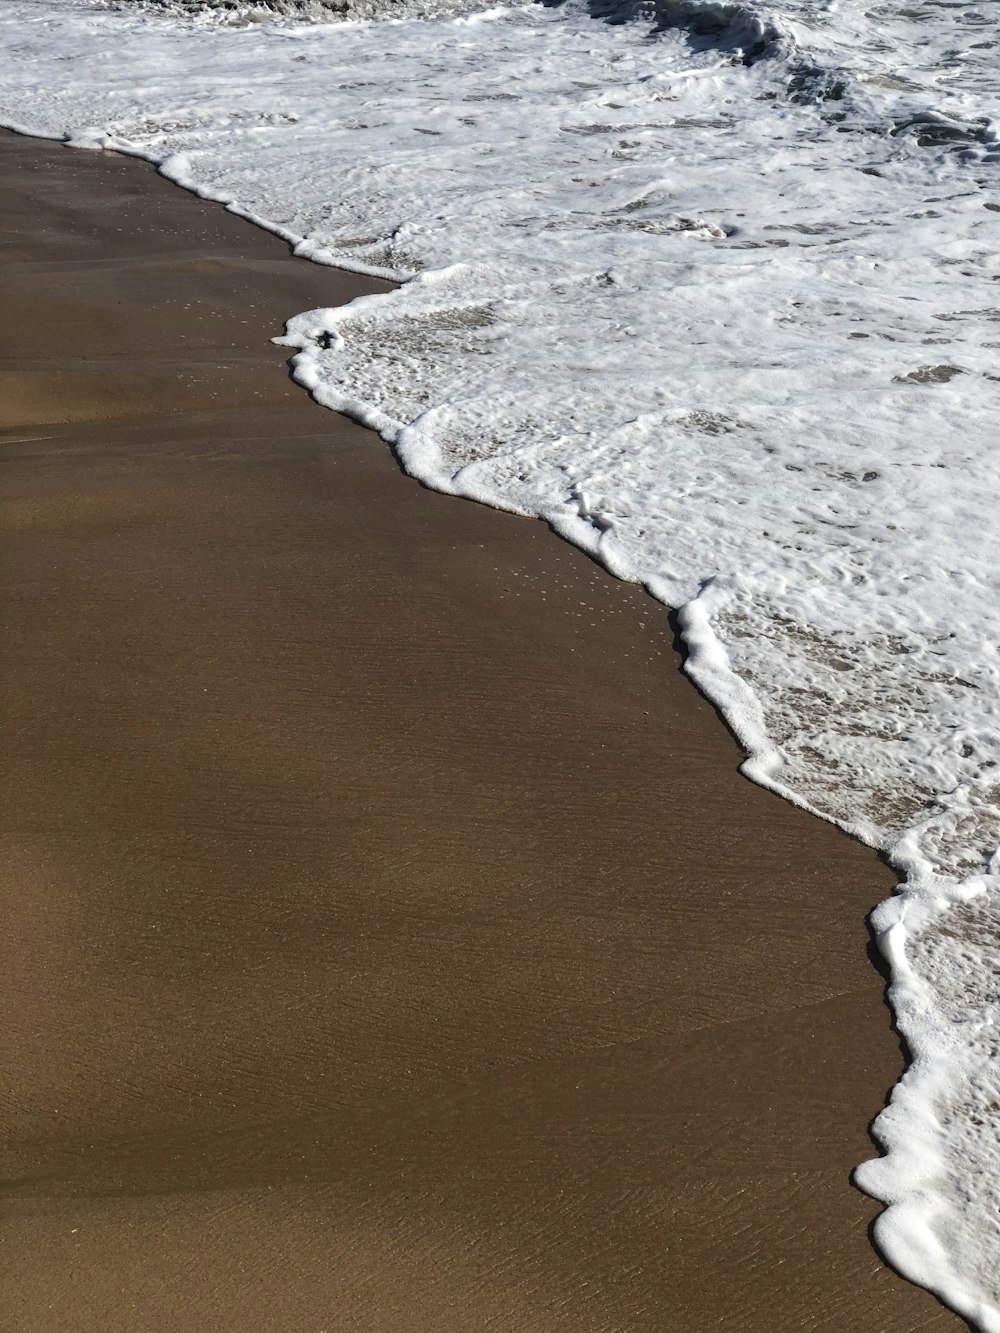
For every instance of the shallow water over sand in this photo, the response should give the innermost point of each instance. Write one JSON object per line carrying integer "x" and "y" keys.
{"x": 710, "y": 292}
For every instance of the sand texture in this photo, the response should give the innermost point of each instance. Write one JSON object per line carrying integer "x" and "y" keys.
{"x": 389, "y": 941}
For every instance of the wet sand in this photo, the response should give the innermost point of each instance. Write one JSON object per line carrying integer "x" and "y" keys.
{"x": 390, "y": 942}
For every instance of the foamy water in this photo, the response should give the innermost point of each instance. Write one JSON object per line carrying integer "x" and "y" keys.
{"x": 713, "y": 291}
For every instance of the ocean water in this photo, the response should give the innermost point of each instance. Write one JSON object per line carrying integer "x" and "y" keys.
{"x": 715, "y": 291}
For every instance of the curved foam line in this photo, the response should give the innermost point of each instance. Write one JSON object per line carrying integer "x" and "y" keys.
{"x": 905, "y": 1231}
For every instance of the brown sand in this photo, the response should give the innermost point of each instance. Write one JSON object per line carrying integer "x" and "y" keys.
{"x": 390, "y": 942}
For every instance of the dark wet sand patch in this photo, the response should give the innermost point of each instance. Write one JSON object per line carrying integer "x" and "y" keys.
{"x": 389, "y": 940}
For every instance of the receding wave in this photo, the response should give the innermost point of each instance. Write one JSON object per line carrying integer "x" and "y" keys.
{"x": 709, "y": 289}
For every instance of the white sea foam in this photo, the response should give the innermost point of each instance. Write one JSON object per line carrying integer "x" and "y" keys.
{"x": 714, "y": 292}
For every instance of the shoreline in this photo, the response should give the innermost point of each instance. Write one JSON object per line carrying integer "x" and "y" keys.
{"x": 345, "y": 987}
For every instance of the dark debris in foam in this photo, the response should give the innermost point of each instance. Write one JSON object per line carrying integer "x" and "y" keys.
{"x": 250, "y": 11}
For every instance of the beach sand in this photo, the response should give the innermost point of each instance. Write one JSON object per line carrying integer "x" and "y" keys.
{"x": 390, "y": 942}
